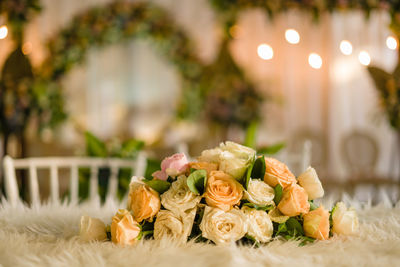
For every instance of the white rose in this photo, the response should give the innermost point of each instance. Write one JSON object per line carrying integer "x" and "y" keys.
{"x": 242, "y": 152}
{"x": 235, "y": 167}
{"x": 259, "y": 225}
{"x": 310, "y": 182}
{"x": 210, "y": 155}
{"x": 223, "y": 227}
{"x": 92, "y": 229}
{"x": 173, "y": 226}
{"x": 259, "y": 193}
{"x": 276, "y": 216}
{"x": 345, "y": 221}
{"x": 178, "y": 198}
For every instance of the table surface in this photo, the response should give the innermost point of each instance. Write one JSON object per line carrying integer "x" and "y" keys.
{"x": 47, "y": 236}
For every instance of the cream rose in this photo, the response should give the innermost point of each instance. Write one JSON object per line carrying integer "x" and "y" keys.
{"x": 222, "y": 191}
{"x": 223, "y": 227}
{"x": 124, "y": 229}
{"x": 178, "y": 198}
{"x": 310, "y": 182}
{"x": 259, "y": 225}
{"x": 259, "y": 193}
{"x": 235, "y": 167}
{"x": 241, "y": 152}
{"x": 210, "y": 155}
{"x": 143, "y": 200}
{"x": 277, "y": 172}
{"x": 294, "y": 201}
{"x": 345, "y": 221}
{"x": 173, "y": 226}
{"x": 316, "y": 224}
{"x": 92, "y": 229}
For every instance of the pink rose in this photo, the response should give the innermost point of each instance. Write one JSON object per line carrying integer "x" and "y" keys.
{"x": 172, "y": 166}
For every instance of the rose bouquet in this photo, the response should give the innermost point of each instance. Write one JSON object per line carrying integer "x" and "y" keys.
{"x": 229, "y": 194}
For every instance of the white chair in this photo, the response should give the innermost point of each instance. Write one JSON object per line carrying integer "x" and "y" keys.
{"x": 73, "y": 163}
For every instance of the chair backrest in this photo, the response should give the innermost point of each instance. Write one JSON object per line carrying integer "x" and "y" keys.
{"x": 73, "y": 164}
{"x": 360, "y": 153}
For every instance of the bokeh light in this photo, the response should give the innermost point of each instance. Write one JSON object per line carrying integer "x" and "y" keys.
{"x": 315, "y": 61}
{"x": 391, "y": 43}
{"x": 265, "y": 51}
{"x": 292, "y": 36}
{"x": 346, "y": 47}
{"x": 364, "y": 58}
{"x": 3, "y": 32}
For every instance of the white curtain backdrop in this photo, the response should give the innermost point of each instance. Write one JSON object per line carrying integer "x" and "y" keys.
{"x": 130, "y": 89}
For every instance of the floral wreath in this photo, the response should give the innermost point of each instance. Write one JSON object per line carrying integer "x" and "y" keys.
{"x": 228, "y": 195}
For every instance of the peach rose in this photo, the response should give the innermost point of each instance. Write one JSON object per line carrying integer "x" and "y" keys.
{"x": 207, "y": 166}
{"x": 316, "y": 224}
{"x": 143, "y": 201}
{"x": 277, "y": 172}
{"x": 124, "y": 229}
{"x": 294, "y": 201}
{"x": 222, "y": 191}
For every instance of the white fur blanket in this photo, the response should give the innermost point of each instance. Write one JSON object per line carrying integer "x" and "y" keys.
{"x": 47, "y": 236}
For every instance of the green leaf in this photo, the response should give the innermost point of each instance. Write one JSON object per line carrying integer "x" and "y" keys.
{"x": 130, "y": 148}
{"x": 251, "y": 133}
{"x": 278, "y": 194}
{"x": 197, "y": 181}
{"x": 258, "y": 170}
{"x": 305, "y": 240}
{"x": 281, "y": 228}
{"x": 312, "y": 205}
{"x": 272, "y": 149}
{"x": 294, "y": 227}
{"x": 258, "y": 207}
{"x": 159, "y": 185}
{"x": 248, "y": 176}
{"x": 94, "y": 146}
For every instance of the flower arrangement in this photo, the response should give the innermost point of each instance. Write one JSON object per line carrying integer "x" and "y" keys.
{"x": 229, "y": 194}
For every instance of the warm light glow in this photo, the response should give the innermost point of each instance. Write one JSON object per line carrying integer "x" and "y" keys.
{"x": 364, "y": 58}
{"x": 391, "y": 43}
{"x": 346, "y": 47}
{"x": 235, "y": 31}
{"x": 315, "y": 61}
{"x": 265, "y": 51}
{"x": 27, "y": 48}
{"x": 3, "y": 32}
{"x": 292, "y": 36}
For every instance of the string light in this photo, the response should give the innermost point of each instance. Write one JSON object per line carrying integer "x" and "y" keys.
{"x": 391, "y": 43}
{"x": 346, "y": 47}
{"x": 265, "y": 51}
{"x": 292, "y": 36}
{"x": 315, "y": 61}
{"x": 3, "y": 32}
{"x": 364, "y": 58}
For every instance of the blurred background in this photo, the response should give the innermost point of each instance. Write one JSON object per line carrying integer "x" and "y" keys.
{"x": 309, "y": 82}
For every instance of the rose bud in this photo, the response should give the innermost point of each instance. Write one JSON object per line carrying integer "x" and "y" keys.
{"x": 310, "y": 182}
{"x": 294, "y": 201}
{"x": 316, "y": 224}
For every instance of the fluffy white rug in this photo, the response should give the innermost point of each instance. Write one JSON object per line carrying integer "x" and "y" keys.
{"x": 47, "y": 236}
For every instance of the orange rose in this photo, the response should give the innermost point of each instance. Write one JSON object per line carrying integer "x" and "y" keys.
{"x": 277, "y": 172}
{"x": 144, "y": 202}
{"x": 222, "y": 191}
{"x": 316, "y": 224}
{"x": 294, "y": 201}
{"x": 209, "y": 167}
{"x": 124, "y": 229}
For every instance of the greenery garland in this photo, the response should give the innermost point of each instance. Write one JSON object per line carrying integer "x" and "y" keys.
{"x": 229, "y": 9}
